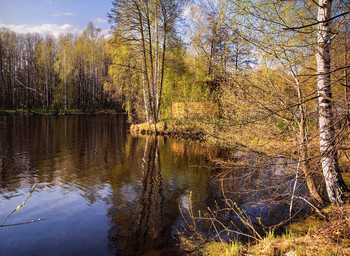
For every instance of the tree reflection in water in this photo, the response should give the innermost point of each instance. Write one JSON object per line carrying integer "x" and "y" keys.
{"x": 149, "y": 226}
{"x": 143, "y": 223}
{"x": 103, "y": 191}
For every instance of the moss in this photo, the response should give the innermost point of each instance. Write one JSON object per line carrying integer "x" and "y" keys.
{"x": 303, "y": 227}
{"x": 214, "y": 249}
{"x": 346, "y": 178}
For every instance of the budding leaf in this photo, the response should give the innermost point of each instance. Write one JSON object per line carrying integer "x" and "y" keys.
{"x": 18, "y": 208}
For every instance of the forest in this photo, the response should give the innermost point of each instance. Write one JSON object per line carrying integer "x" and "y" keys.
{"x": 43, "y": 72}
{"x": 278, "y": 70}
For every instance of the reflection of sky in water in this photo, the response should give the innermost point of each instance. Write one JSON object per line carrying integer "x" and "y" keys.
{"x": 129, "y": 193}
{"x": 184, "y": 201}
{"x": 72, "y": 226}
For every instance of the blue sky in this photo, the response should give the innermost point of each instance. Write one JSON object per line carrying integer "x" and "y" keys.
{"x": 54, "y": 16}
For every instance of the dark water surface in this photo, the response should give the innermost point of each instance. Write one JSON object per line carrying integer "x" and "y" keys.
{"x": 103, "y": 191}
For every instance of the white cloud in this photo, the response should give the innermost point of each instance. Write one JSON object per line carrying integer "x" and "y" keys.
{"x": 99, "y": 20}
{"x": 106, "y": 33}
{"x": 191, "y": 12}
{"x": 59, "y": 14}
{"x": 46, "y": 29}
{"x": 49, "y": 1}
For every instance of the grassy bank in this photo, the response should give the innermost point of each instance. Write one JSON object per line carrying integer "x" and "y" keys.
{"x": 310, "y": 236}
{"x": 255, "y": 138}
{"x": 174, "y": 127}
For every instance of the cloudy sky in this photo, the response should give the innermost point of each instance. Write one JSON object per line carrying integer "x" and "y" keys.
{"x": 54, "y": 16}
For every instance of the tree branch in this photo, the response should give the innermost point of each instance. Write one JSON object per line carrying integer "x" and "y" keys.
{"x": 18, "y": 208}
{"x": 316, "y": 23}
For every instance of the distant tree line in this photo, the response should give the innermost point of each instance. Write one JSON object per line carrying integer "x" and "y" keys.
{"x": 43, "y": 72}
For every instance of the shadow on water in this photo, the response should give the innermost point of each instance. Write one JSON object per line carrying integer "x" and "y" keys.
{"x": 253, "y": 195}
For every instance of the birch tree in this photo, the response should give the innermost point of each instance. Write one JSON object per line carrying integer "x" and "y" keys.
{"x": 336, "y": 188}
{"x": 64, "y": 66}
{"x": 149, "y": 26}
{"x": 283, "y": 31}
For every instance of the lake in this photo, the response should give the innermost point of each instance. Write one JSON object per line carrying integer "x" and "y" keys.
{"x": 103, "y": 191}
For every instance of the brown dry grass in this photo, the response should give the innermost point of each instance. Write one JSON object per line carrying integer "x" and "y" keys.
{"x": 333, "y": 238}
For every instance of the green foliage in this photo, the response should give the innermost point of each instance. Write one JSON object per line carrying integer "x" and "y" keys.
{"x": 44, "y": 72}
{"x": 125, "y": 84}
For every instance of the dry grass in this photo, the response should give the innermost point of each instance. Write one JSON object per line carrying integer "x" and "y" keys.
{"x": 177, "y": 127}
{"x": 313, "y": 237}
{"x": 333, "y": 238}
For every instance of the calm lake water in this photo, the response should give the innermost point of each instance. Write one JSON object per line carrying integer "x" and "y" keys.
{"x": 101, "y": 190}
{"x": 106, "y": 192}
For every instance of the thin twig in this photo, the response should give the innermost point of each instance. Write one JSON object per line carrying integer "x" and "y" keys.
{"x": 18, "y": 208}
{"x": 23, "y": 223}
{"x": 313, "y": 206}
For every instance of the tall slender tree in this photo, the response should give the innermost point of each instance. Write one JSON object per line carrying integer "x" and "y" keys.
{"x": 149, "y": 26}
{"x": 336, "y": 187}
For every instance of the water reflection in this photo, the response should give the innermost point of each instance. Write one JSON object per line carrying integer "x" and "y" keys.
{"x": 143, "y": 227}
{"x": 260, "y": 188}
{"x": 105, "y": 192}
{"x": 102, "y": 191}
{"x": 145, "y": 215}
{"x": 150, "y": 213}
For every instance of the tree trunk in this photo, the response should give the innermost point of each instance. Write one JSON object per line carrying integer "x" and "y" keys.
{"x": 336, "y": 188}
{"x": 346, "y": 72}
{"x": 144, "y": 60}
{"x": 304, "y": 159}
{"x": 144, "y": 94}
{"x": 163, "y": 62}
{"x": 153, "y": 85}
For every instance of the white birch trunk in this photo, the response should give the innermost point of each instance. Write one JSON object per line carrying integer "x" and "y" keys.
{"x": 329, "y": 160}
{"x": 144, "y": 94}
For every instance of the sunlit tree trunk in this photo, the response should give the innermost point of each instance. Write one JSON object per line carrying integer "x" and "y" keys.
{"x": 346, "y": 31}
{"x": 152, "y": 68}
{"x": 336, "y": 187}
{"x": 165, "y": 28}
{"x": 304, "y": 159}
{"x": 144, "y": 95}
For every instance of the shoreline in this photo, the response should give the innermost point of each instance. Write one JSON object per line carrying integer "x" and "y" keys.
{"x": 58, "y": 113}
{"x": 168, "y": 127}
